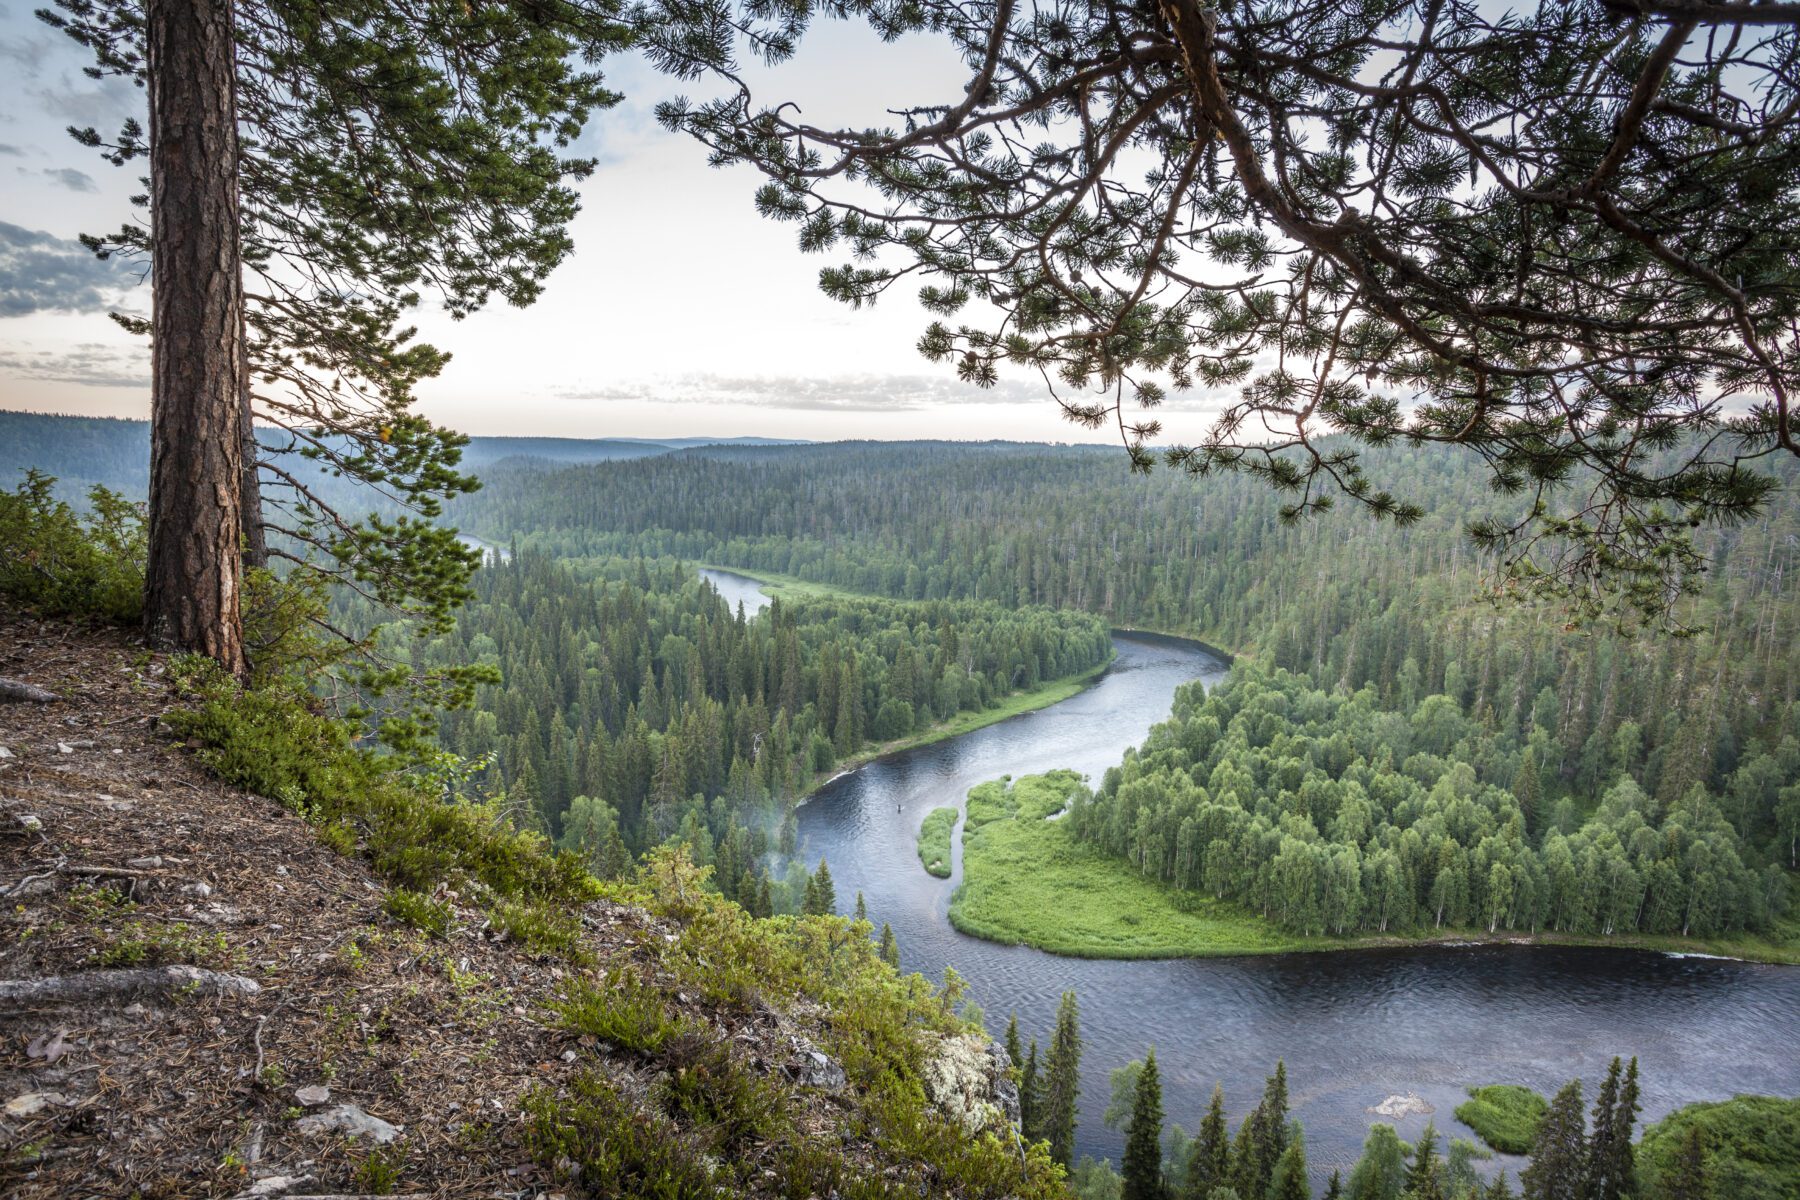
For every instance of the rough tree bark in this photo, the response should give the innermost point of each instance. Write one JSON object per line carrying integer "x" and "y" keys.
{"x": 193, "y": 584}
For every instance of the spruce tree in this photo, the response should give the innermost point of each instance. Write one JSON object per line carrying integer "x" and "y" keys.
{"x": 1380, "y": 1172}
{"x": 1031, "y": 1097}
{"x": 1015, "y": 1053}
{"x": 1142, "y": 1165}
{"x": 1264, "y": 1137}
{"x": 1500, "y": 1189}
{"x": 765, "y": 903}
{"x": 1334, "y": 1187}
{"x": 1622, "y": 1170}
{"x": 1558, "y": 1169}
{"x": 1602, "y": 1153}
{"x": 862, "y": 909}
{"x": 1210, "y": 1165}
{"x": 1063, "y": 1086}
{"x": 1246, "y": 1157}
{"x": 1425, "y": 1176}
{"x": 827, "y": 897}
{"x": 890, "y": 948}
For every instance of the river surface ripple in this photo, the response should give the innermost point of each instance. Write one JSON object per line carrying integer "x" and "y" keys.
{"x": 1354, "y": 1027}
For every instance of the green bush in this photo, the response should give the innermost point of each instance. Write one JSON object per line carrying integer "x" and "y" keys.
{"x": 1504, "y": 1116}
{"x": 420, "y": 911}
{"x": 622, "y": 1011}
{"x": 1753, "y": 1147}
{"x": 63, "y": 563}
{"x": 273, "y": 741}
{"x": 618, "y": 1148}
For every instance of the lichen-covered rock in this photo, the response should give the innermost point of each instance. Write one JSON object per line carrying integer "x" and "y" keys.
{"x": 965, "y": 1077}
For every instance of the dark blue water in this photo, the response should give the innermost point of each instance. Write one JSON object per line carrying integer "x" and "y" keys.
{"x": 1354, "y": 1027}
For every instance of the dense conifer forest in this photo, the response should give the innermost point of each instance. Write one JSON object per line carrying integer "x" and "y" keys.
{"x": 637, "y": 706}
{"x": 1398, "y": 615}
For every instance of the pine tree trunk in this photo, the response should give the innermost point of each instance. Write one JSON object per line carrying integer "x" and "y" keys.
{"x": 197, "y": 403}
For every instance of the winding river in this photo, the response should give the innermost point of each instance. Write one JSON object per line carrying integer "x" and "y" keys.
{"x": 1355, "y": 1027}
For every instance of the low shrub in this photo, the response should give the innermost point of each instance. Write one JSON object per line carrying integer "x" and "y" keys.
{"x": 275, "y": 742}
{"x": 617, "y": 1148}
{"x": 420, "y": 911}
{"x": 622, "y": 1011}
{"x": 59, "y": 562}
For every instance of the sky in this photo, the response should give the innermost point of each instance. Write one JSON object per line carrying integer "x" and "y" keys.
{"x": 681, "y": 313}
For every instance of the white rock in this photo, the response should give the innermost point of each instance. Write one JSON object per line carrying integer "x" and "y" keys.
{"x": 1403, "y": 1106}
{"x": 5, "y": 753}
{"x": 32, "y": 1103}
{"x": 350, "y": 1121}
{"x": 274, "y": 1185}
{"x": 31, "y": 822}
{"x": 313, "y": 1095}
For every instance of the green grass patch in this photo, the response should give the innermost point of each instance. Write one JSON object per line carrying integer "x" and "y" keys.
{"x": 1026, "y": 880}
{"x": 792, "y": 587}
{"x": 1752, "y": 1143}
{"x": 1504, "y": 1116}
{"x": 934, "y": 841}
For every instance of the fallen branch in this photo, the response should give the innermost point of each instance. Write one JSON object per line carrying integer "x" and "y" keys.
{"x": 102, "y": 986}
{"x": 18, "y": 692}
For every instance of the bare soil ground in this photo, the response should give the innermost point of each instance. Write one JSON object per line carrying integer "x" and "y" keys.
{"x": 117, "y": 851}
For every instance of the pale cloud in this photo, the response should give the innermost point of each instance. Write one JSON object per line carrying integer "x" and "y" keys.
{"x": 40, "y": 272}
{"x": 69, "y": 177}
{"x": 88, "y": 364}
{"x": 862, "y": 393}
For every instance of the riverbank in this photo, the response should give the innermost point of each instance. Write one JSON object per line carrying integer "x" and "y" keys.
{"x": 1027, "y": 881}
{"x": 1012, "y": 705}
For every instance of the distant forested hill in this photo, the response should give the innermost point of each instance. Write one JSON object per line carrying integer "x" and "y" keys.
{"x": 78, "y": 451}
{"x": 115, "y": 451}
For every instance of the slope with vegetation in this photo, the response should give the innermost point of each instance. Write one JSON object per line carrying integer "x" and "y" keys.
{"x": 244, "y": 948}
